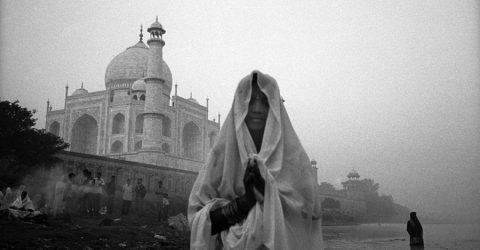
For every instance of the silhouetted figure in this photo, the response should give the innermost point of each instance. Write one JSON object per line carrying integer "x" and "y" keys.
{"x": 110, "y": 189}
{"x": 97, "y": 192}
{"x": 415, "y": 230}
{"x": 140, "y": 192}
{"x": 127, "y": 197}
{"x": 161, "y": 194}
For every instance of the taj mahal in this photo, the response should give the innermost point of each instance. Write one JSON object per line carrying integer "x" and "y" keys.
{"x": 136, "y": 128}
{"x": 136, "y": 118}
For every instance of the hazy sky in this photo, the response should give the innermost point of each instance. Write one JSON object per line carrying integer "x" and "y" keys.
{"x": 389, "y": 88}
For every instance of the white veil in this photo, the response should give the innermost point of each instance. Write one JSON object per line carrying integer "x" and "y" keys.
{"x": 289, "y": 215}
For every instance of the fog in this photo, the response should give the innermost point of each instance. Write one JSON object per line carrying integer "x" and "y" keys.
{"x": 388, "y": 88}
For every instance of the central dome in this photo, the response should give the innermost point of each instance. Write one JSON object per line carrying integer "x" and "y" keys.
{"x": 131, "y": 65}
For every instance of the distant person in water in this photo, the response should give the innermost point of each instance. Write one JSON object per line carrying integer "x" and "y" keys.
{"x": 415, "y": 230}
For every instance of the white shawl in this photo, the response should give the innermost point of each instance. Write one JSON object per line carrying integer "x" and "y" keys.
{"x": 25, "y": 203}
{"x": 289, "y": 215}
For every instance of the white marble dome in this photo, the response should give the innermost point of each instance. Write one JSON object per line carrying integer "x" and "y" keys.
{"x": 156, "y": 24}
{"x": 80, "y": 91}
{"x": 131, "y": 65}
{"x": 138, "y": 85}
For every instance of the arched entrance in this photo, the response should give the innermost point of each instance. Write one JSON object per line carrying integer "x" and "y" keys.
{"x": 139, "y": 124}
{"x": 118, "y": 124}
{"x": 191, "y": 141}
{"x": 166, "y": 123}
{"x": 84, "y": 135}
{"x": 54, "y": 128}
{"x": 138, "y": 146}
{"x": 117, "y": 147}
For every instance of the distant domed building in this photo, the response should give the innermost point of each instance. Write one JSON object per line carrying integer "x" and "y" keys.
{"x": 135, "y": 118}
{"x": 351, "y": 199}
{"x": 353, "y": 186}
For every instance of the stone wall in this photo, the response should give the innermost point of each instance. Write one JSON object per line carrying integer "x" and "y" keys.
{"x": 357, "y": 208}
{"x": 177, "y": 182}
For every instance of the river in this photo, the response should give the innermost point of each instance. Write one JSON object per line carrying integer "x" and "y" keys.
{"x": 395, "y": 236}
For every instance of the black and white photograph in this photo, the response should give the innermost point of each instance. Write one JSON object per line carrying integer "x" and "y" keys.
{"x": 240, "y": 125}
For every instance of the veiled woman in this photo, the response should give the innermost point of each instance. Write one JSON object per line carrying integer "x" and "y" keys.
{"x": 257, "y": 189}
{"x": 415, "y": 230}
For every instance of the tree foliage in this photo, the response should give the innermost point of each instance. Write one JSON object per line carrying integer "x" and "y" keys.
{"x": 330, "y": 203}
{"x": 326, "y": 187}
{"x": 370, "y": 186}
{"x": 23, "y": 147}
{"x": 381, "y": 205}
{"x": 376, "y": 205}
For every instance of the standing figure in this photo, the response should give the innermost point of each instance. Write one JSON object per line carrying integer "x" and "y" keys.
{"x": 140, "y": 192}
{"x": 257, "y": 189}
{"x": 415, "y": 230}
{"x": 89, "y": 190}
{"x": 110, "y": 190}
{"x": 59, "y": 199}
{"x": 82, "y": 195}
{"x": 165, "y": 207}
{"x": 127, "y": 197}
{"x": 161, "y": 195}
{"x": 98, "y": 184}
{"x": 70, "y": 194}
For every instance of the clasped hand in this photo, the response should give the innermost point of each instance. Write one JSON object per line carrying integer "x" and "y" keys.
{"x": 253, "y": 179}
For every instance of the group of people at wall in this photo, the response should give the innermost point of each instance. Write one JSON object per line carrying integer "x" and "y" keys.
{"x": 83, "y": 196}
{"x": 88, "y": 194}
{"x": 91, "y": 195}
{"x": 136, "y": 195}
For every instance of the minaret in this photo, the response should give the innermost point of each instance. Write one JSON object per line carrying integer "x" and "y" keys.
{"x": 207, "y": 108}
{"x": 154, "y": 83}
{"x": 315, "y": 169}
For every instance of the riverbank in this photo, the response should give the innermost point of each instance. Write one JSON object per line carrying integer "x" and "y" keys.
{"x": 85, "y": 232}
{"x": 394, "y": 236}
{"x": 339, "y": 223}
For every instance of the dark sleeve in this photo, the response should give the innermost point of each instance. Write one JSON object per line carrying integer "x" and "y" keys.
{"x": 409, "y": 228}
{"x": 219, "y": 221}
{"x": 230, "y": 214}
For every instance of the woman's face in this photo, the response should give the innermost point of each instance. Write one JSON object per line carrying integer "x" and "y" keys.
{"x": 257, "y": 110}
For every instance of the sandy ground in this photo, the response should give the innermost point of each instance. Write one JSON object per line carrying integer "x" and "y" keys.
{"x": 86, "y": 232}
